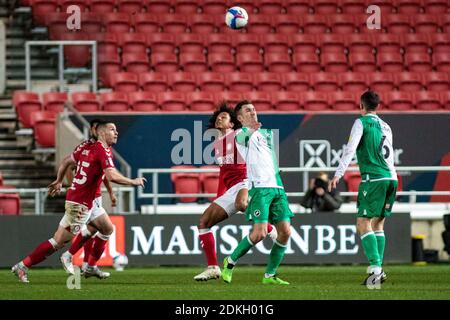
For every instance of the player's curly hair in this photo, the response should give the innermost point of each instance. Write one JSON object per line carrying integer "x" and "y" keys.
{"x": 223, "y": 107}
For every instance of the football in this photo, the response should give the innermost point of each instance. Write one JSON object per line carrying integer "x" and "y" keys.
{"x": 236, "y": 18}
{"x": 120, "y": 262}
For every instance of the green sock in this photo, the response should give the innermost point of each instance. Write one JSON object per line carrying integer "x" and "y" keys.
{"x": 242, "y": 248}
{"x": 381, "y": 242}
{"x": 276, "y": 256}
{"x": 369, "y": 242}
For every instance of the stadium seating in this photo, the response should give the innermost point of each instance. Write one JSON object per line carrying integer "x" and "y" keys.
{"x": 182, "y": 81}
{"x": 44, "y": 133}
{"x": 201, "y": 101}
{"x": 25, "y": 103}
{"x": 186, "y": 183}
{"x": 54, "y": 101}
{"x": 142, "y": 101}
{"x": 9, "y": 204}
{"x": 211, "y": 81}
{"x": 240, "y": 82}
{"x": 85, "y": 102}
{"x": 315, "y": 101}
{"x": 114, "y": 101}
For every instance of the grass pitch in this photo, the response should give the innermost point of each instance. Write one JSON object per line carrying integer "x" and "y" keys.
{"x": 315, "y": 282}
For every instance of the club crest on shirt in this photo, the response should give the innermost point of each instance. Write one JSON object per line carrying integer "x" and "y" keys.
{"x": 256, "y": 213}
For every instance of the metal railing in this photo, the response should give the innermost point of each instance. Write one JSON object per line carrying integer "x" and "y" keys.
{"x": 155, "y": 195}
{"x": 60, "y": 45}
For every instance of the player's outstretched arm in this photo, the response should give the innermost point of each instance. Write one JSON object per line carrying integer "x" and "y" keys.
{"x": 55, "y": 186}
{"x": 112, "y": 196}
{"x": 115, "y": 176}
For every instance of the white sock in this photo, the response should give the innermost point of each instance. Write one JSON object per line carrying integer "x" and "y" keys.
{"x": 267, "y": 275}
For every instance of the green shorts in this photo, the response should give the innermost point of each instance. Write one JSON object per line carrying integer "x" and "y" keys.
{"x": 268, "y": 205}
{"x": 376, "y": 198}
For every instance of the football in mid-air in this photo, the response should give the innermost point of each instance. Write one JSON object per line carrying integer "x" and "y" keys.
{"x": 236, "y": 18}
{"x": 120, "y": 262}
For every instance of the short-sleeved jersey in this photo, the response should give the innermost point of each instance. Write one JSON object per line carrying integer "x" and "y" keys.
{"x": 92, "y": 160}
{"x": 232, "y": 166}
{"x": 258, "y": 149}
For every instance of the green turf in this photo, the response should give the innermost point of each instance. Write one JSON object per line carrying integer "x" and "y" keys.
{"x": 324, "y": 282}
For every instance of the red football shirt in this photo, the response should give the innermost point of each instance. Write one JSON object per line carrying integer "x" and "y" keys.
{"x": 232, "y": 166}
{"x": 92, "y": 160}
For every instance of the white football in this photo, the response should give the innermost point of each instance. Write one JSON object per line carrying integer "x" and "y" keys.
{"x": 236, "y": 18}
{"x": 120, "y": 262}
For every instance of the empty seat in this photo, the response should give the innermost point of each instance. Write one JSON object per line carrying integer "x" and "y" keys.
{"x": 286, "y": 24}
{"x": 154, "y": 81}
{"x": 102, "y": 6}
{"x": 172, "y": 101}
{"x": 268, "y": 82}
{"x": 278, "y": 62}
{"x": 250, "y": 62}
{"x": 440, "y": 42}
{"x": 418, "y": 62}
{"x": 182, "y": 81}
{"x": 390, "y": 62}
{"x": 314, "y": 24}
{"x": 202, "y": 23}
{"x": 362, "y": 62}
{"x": 334, "y": 62}
{"x": 146, "y": 23}
{"x": 342, "y": 23}
{"x": 25, "y": 103}
{"x": 352, "y": 81}
{"x": 125, "y": 82}
{"x": 398, "y": 100}
{"x": 193, "y": 62}
{"x": 85, "y": 101}
{"x": 353, "y": 6}
{"x": 221, "y": 62}
{"x": 409, "y": 81}
{"x": 297, "y": 7}
{"x": 275, "y": 43}
{"x": 114, "y": 101}
{"x": 269, "y": 6}
{"x": 42, "y": 115}
{"x": 142, "y": 101}
{"x": 132, "y": 42}
{"x": 397, "y": 23}
{"x": 343, "y": 101}
{"x": 386, "y": 7}
{"x": 416, "y": 43}
{"x": 231, "y": 97}
{"x": 76, "y": 56}
{"x": 56, "y": 23}
{"x": 427, "y": 100}
{"x": 436, "y": 6}
{"x": 164, "y": 62}
{"x": 41, "y": 8}
{"x": 211, "y": 81}
{"x": 352, "y": 180}
{"x": 315, "y": 101}
{"x": 259, "y": 24}
{"x": 173, "y": 23}
{"x": 44, "y": 133}
{"x": 306, "y": 62}
{"x": 303, "y": 43}
{"x": 425, "y": 23}
{"x": 381, "y": 81}
{"x": 190, "y": 42}
{"x": 209, "y": 181}
{"x": 441, "y": 61}
{"x": 117, "y": 22}
{"x": 239, "y": 81}
{"x": 107, "y": 43}
{"x": 437, "y": 81}
{"x": 359, "y": 43}
{"x": 444, "y": 22}
{"x": 158, "y": 6}
{"x": 260, "y": 99}
{"x": 324, "y": 82}
{"x": 54, "y": 101}
{"x": 186, "y": 6}
{"x": 135, "y": 62}
{"x": 130, "y": 6}
{"x": 185, "y": 183}
{"x": 386, "y": 42}
{"x": 9, "y": 204}
{"x": 161, "y": 42}
{"x": 201, "y": 101}
{"x": 445, "y": 99}
{"x": 325, "y": 6}
{"x": 247, "y": 43}
{"x": 218, "y": 43}
{"x": 409, "y": 7}
{"x": 296, "y": 81}
{"x": 214, "y": 6}
{"x": 286, "y": 101}
{"x": 331, "y": 43}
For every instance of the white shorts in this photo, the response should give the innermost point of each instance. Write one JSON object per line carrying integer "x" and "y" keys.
{"x": 75, "y": 217}
{"x": 97, "y": 209}
{"x": 228, "y": 199}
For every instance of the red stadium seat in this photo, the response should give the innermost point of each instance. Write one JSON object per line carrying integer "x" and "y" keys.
{"x": 343, "y": 101}
{"x": 440, "y": 42}
{"x": 390, "y": 62}
{"x": 297, "y": 7}
{"x": 437, "y": 81}
{"x": 325, "y": 6}
{"x": 315, "y": 101}
{"x": 359, "y": 43}
{"x": 380, "y": 81}
{"x": 249, "y": 5}
{"x": 56, "y": 23}
{"x": 314, "y": 24}
{"x": 146, "y": 23}
{"x": 296, "y": 81}
{"x": 418, "y": 62}
{"x": 303, "y": 43}
{"x": 142, "y": 101}
{"x": 25, "y": 103}
{"x": 286, "y": 24}
{"x": 342, "y": 24}
{"x": 221, "y": 62}
{"x": 269, "y": 6}
{"x": 436, "y": 6}
{"x": 397, "y": 23}
{"x": 154, "y": 82}
{"x": 164, "y": 62}
{"x": 219, "y": 43}
{"x": 173, "y": 23}
{"x": 132, "y": 42}
{"x": 261, "y": 100}
{"x": 41, "y": 115}
{"x": 102, "y": 6}
{"x": 444, "y": 22}
{"x": 231, "y": 97}
{"x": 386, "y": 7}
{"x": 193, "y": 62}
{"x": 186, "y": 183}
{"x": 158, "y": 6}
{"x": 324, "y": 82}
{"x": 209, "y": 181}
{"x": 211, "y": 81}
{"x": 54, "y": 101}
{"x": 386, "y": 42}
{"x": 202, "y": 23}
{"x": 41, "y": 8}
{"x": 286, "y": 101}
{"x": 106, "y": 42}
{"x": 275, "y": 43}
{"x": 445, "y": 99}
{"x": 250, "y": 62}
{"x": 427, "y": 100}
{"x": 130, "y": 6}
{"x": 85, "y": 101}
{"x": 352, "y": 81}
{"x": 239, "y": 82}
{"x": 268, "y": 82}
{"x": 334, "y": 62}
{"x": 425, "y": 23}
{"x": 441, "y": 61}
{"x": 331, "y": 43}
{"x": 306, "y": 62}
{"x": 76, "y": 56}
{"x": 172, "y": 101}
{"x": 125, "y": 82}
{"x": 247, "y": 43}
{"x": 186, "y": 7}
{"x": 416, "y": 43}
{"x": 135, "y": 62}
{"x": 398, "y": 100}
{"x": 9, "y": 204}
{"x": 201, "y": 101}
{"x": 161, "y": 42}
{"x": 214, "y": 6}
{"x": 114, "y": 101}
{"x": 409, "y": 81}
{"x": 44, "y": 133}
{"x": 409, "y": 7}
{"x": 182, "y": 81}
{"x": 117, "y": 22}
{"x": 278, "y": 62}
{"x": 362, "y": 62}
{"x": 353, "y": 7}
{"x": 190, "y": 43}
{"x": 352, "y": 180}
{"x": 260, "y": 24}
